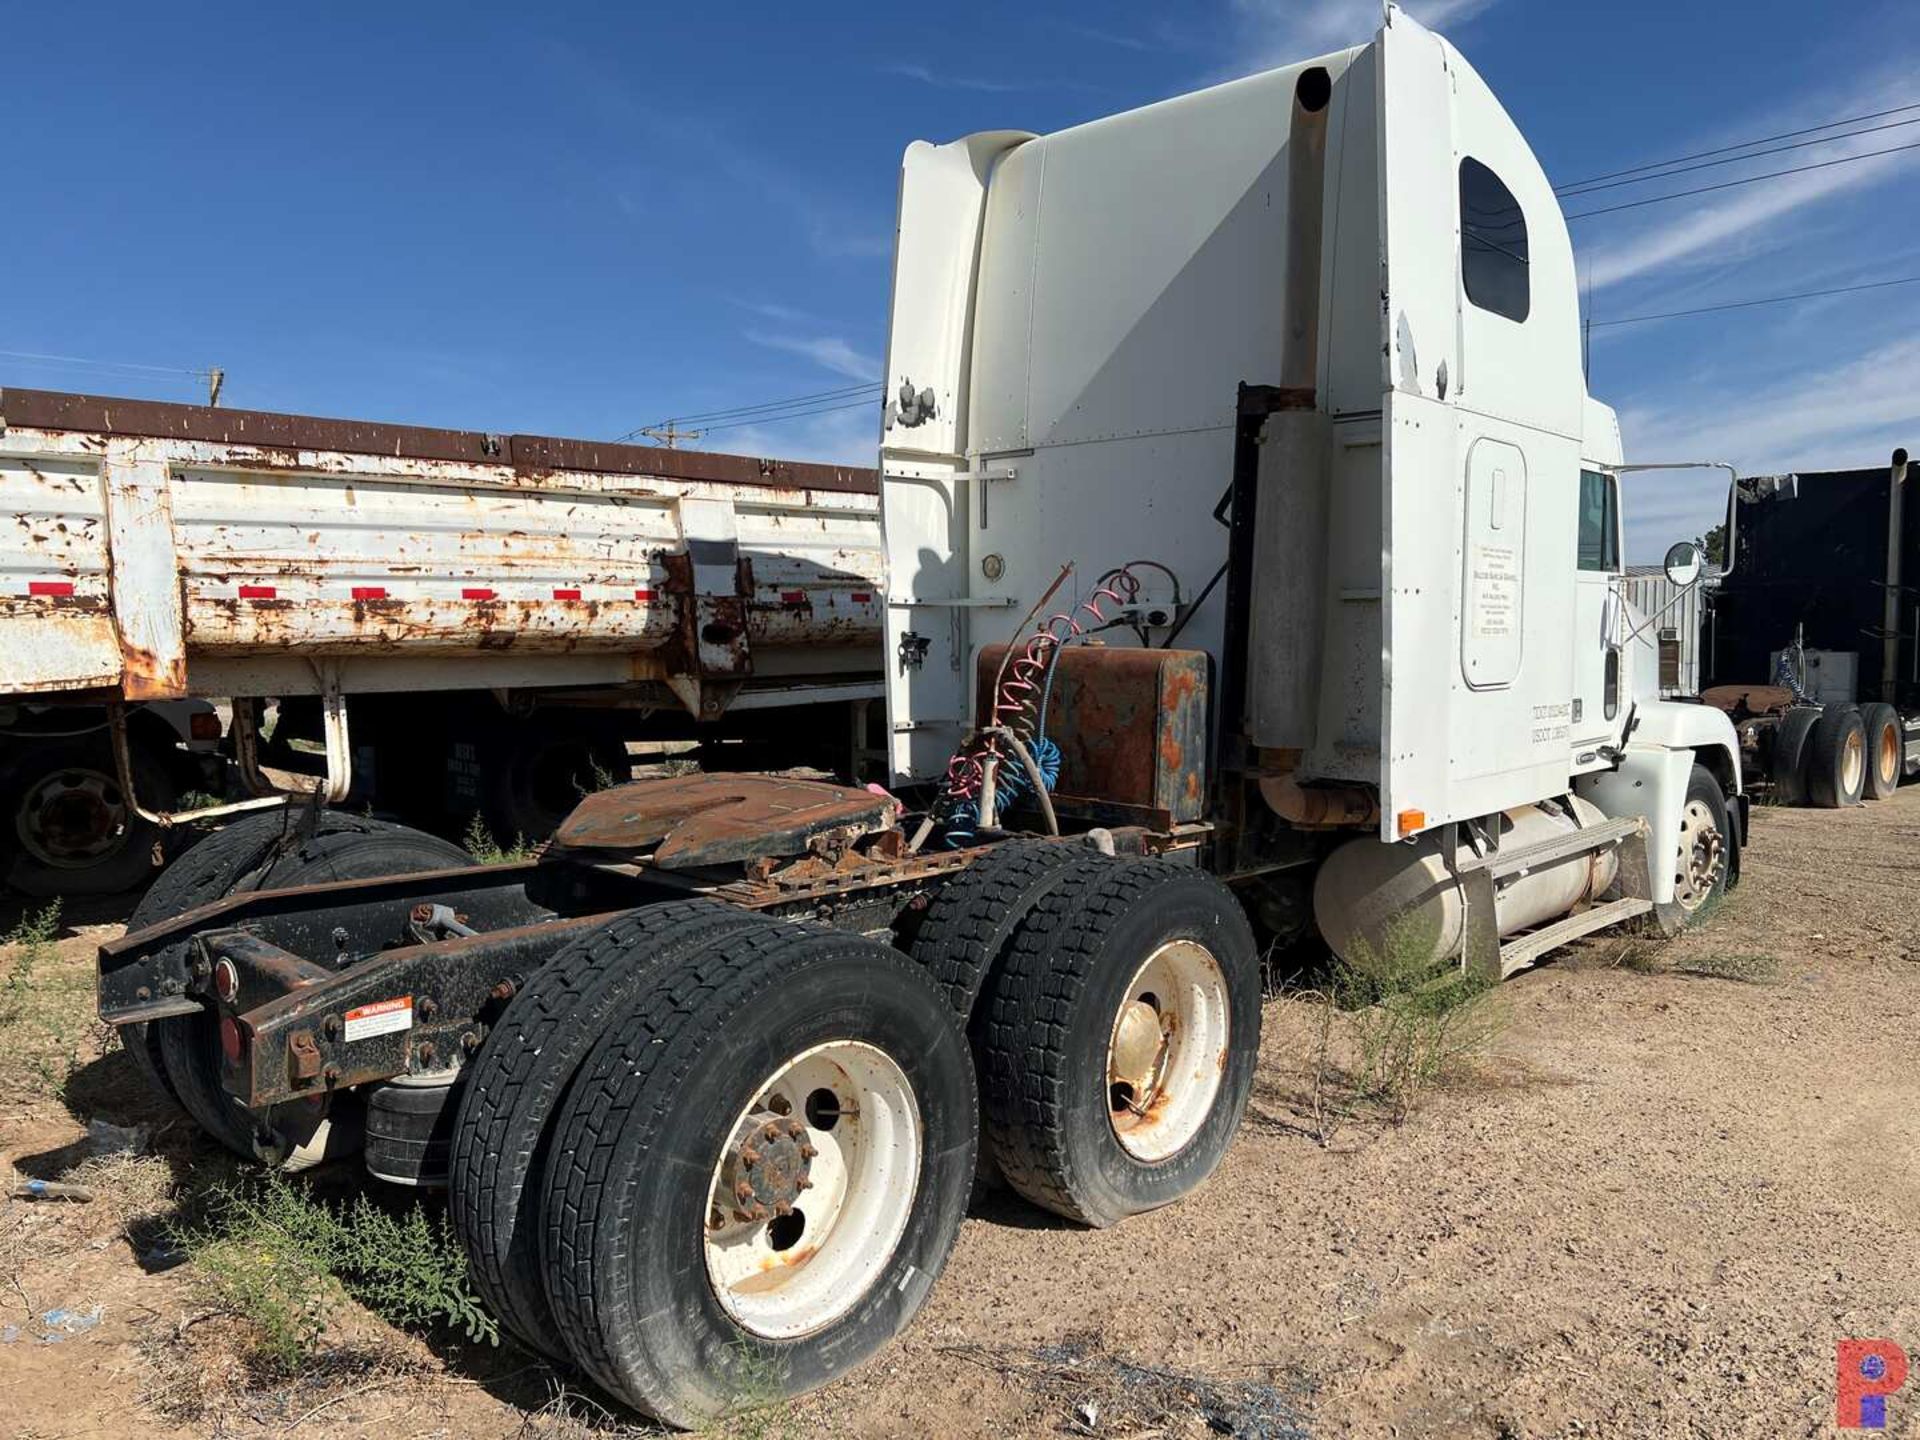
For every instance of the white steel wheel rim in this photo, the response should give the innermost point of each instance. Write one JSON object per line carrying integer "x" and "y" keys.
{"x": 1853, "y": 763}
{"x": 1167, "y": 1050}
{"x": 785, "y": 1276}
{"x": 1702, "y": 853}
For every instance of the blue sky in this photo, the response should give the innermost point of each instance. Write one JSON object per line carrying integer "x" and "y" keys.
{"x": 579, "y": 219}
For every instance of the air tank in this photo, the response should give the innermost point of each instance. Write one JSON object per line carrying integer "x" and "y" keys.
{"x": 1376, "y": 902}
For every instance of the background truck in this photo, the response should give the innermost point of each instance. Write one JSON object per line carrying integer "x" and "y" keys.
{"x": 1812, "y": 638}
{"x": 444, "y": 623}
{"x": 1252, "y": 564}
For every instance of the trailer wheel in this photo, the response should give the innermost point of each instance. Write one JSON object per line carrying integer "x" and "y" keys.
{"x": 1122, "y": 1042}
{"x": 1886, "y": 751}
{"x": 519, "y": 1081}
{"x": 1837, "y": 759}
{"x": 1789, "y": 765}
{"x": 348, "y": 848}
{"x": 760, "y": 1173}
{"x": 69, "y": 828}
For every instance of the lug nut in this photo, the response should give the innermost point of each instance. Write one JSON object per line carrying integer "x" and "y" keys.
{"x": 796, "y": 1130}
{"x": 783, "y": 1208}
{"x": 743, "y": 1191}
{"x": 803, "y": 1183}
{"x": 807, "y": 1152}
{"x": 502, "y": 991}
{"x": 770, "y": 1131}
{"x": 749, "y": 1156}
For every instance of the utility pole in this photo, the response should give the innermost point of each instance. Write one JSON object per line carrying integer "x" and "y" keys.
{"x": 216, "y": 378}
{"x": 669, "y": 434}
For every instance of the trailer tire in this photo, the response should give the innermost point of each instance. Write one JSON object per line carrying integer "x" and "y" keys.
{"x": 1886, "y": 751}
{"x": 1130, "y": 975}
{"x": 341, "y": 848}
{"x": 1837, "y": 759}
{"x": 1789, "y": 765}
{"x": 60, "y": 797}
{"x": 518, "y": 1084}
{"x": 540, "y": 768}
{"x": 642, "y": 1286}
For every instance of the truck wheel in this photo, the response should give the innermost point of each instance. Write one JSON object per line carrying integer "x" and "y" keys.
{"x": 238, "y": 858}
{"x": 1122, "y": 1042}
{"x": 974, "y": 914}
{"x": 1886, "y": 750}
{"x": 540, "y": 769}
{"x": 69, "y": 829}
{"x": 1789, "y": 765}
{"x": 1702, "y": 859}
{"x": 345, "y": 848}
{"x": 760, "y": 1173}
{"x": 519, "y": 1081}
{"x": 1837, "y": 759}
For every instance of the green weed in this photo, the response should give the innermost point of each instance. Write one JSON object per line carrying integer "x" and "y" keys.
{"x": 281, "y": 1259}
{"x": 480, "y": 844}
{"x": 1390, "y": 1025}
{"x": 44, "y": 1006}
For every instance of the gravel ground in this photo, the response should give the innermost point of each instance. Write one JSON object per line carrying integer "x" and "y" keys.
{"x": 1675, "y": 1179}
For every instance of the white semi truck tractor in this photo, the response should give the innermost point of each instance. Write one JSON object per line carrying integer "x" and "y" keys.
{"x": 1252, "y": 564}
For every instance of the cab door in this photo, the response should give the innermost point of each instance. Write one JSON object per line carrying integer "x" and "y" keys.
{"x": 1595, "y": 717}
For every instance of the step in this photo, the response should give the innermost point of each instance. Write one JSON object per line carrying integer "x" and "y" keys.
{"x": 1567, "y": 843}
{"x": 1523, "y": 950}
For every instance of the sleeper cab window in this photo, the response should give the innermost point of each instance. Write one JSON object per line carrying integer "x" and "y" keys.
{"x": 1493, "y": 243}
{"x": 1599, "y": 522}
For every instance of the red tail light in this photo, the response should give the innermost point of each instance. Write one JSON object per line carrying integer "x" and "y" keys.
{"x": 232, "y": 1042}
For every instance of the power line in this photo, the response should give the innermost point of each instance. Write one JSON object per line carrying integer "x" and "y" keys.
{"x": 796, "y": 415}
{"x": 1743, "y": 145}
{"x": 1745, "y": 180}
{"x": 737, "y": 411}
{"x": 118, "y": 365}
{"x": 1735, "y": 159}
{"x": 1769, "y": 300}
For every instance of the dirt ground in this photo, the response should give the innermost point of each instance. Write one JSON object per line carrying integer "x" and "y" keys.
{"x": 1675, "y": 1179}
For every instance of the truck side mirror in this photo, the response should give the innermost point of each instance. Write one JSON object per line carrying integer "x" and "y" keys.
{"x": 1684, "y": 563}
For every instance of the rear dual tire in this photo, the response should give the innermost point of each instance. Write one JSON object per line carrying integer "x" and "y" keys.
{"x": 182, "y": 1053}
{"x": 667, "y": 1283}
{"x": 1122, "y": 1039}
{"x": 1886, "y": 750}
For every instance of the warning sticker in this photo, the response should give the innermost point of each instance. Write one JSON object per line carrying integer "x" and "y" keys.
{"x": 1495, "y": 597}
{"x": 383, "y": 1017}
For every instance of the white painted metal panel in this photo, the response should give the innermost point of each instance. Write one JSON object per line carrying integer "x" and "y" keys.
{"x": 194, "y": 552}
{"x": 56, "y": 626}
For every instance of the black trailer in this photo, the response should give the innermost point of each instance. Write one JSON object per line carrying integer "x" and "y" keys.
{"x": 1812, "y": 638}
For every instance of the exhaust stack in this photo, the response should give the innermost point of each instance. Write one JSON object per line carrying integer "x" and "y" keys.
{"x": 1289, "y": 580}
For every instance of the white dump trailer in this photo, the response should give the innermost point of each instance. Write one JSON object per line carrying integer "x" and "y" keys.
{"x": 1253, "y": 563}
{"x": 442, "y": 586}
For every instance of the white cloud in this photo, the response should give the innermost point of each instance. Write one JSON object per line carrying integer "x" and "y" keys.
{"x": 1850, "y": 415}
{"x": 828, "y": 351}
{"x": 949, "y": 80}
{"x": 1717, "y": 227}
{"x": 1284, "y": 32}
{"x": 1743, "y": 216}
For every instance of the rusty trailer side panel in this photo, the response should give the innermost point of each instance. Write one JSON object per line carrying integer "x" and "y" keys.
{"x": 146, "y": 550}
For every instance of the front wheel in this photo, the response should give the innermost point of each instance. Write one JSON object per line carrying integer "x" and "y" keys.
{"x": 1703, "y": 859}
{"x": 760, "y": 1172}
